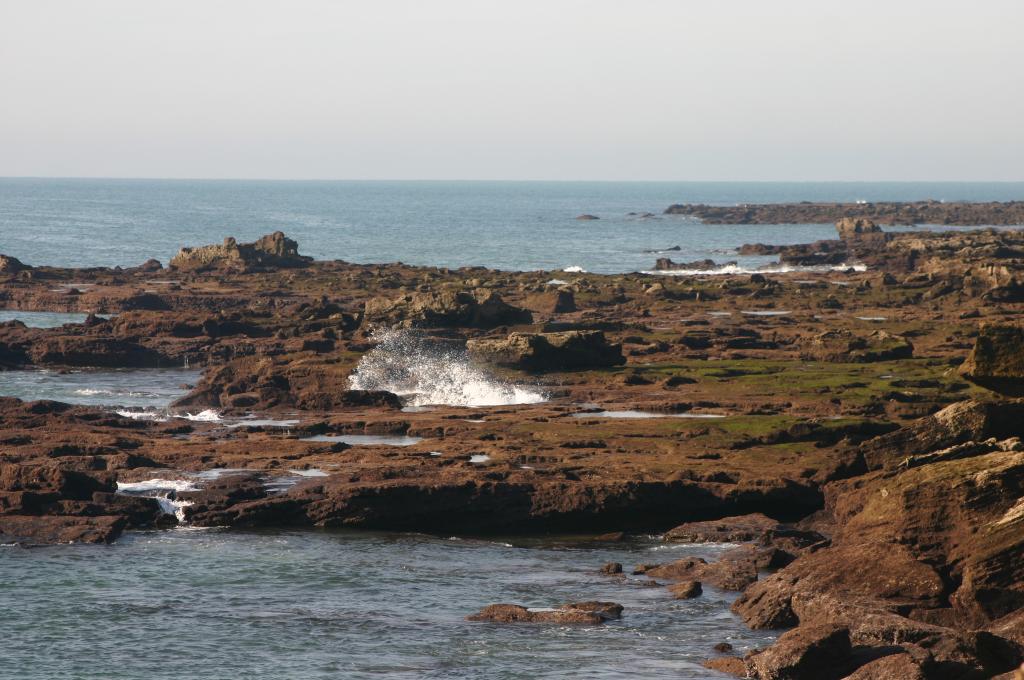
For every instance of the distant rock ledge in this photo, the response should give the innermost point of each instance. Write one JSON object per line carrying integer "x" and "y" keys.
{"x": 919, "y": 212}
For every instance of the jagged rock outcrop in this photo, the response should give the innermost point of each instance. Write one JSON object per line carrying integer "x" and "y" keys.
{"x": 935, "y": 546}
{"x": 11, "y": 265}
{"x": 300, "y": 380}
{"x": 272, "y": 250}
{"x": 997, "y": 359}
{"x": 480, "y": 308}
{"x": 856, "y": 227}
{"x": 548, "y": 351}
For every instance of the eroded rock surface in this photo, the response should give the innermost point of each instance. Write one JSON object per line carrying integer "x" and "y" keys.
{"x": 272, "y": 250}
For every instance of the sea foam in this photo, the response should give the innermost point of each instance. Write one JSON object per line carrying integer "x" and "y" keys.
{"x": 769, "y": 269}
{"x": 423, "y": 373}
{"x": 163, "y": 491}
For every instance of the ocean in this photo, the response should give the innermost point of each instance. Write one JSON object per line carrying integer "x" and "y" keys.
{"x": 504, "y": 225}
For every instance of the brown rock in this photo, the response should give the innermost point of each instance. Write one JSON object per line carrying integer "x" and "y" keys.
{"x": 733, "y": 665}
{"x": 513, "y": 613}
{"x": 11, "y": 265}
{"x": 842, "y": 346}
{"x": 686, "y": 590}
{"x": 738, "y": 529}
{"x": 549, "y": 351}
{"x": 480, "y": 308}
{"x": 854, "y": 227}
{"x": 47, "y": 529}
{"x": 997, "y": 359}
{"x": 899, "y": 666}
{"x": 272, "y": 250}
{"x": 806, "y": 653}
{"x": 724, "y": 574}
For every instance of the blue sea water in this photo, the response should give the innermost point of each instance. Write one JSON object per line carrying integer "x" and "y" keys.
{"x": 506, "y": 225}
{"x": 317, "y": 604}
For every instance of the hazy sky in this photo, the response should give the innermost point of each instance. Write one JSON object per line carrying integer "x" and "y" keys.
{"x": 517, "y": 89}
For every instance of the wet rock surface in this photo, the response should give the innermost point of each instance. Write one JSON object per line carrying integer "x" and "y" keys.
{"x": 587, "y": 613}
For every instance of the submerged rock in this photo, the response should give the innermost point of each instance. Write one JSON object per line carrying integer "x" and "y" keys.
{"x": 590, "y": 613}
{"x": 549, "y": 351}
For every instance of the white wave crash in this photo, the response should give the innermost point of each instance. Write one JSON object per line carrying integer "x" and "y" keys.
{"x": 770, "y": 269}
{"x": 208, "y": 416}
{"x": 425, "y": 374}
{"x": 163, "y": 491}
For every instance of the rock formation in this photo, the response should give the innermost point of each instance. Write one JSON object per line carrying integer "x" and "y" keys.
{"x": 997, "y": 359}
{"x": 272, "y": 250}
{"x": 480, "y": 308}
{"x": 549, "y": 351}
{"x": 856, "y": 227}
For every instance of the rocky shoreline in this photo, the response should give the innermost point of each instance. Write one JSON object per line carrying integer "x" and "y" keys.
{"x": 856, "y": 431}
{"x": 994, "y": 213}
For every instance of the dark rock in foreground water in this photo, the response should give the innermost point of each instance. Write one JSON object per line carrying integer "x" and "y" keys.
{"x": 590, "y": 613}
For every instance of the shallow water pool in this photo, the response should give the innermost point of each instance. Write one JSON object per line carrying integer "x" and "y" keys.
{"x": 317, "y": 604}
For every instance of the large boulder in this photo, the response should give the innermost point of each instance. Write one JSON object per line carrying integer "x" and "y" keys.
{"x": 855, "y": 227}
{"x": 270, "y": 251}
{"x": 997, "y": 359}
{"x": 807, "y": 653}
{"x": 842, "y": 346}
{"x": 567, "y": 350}
{"x": 480, "y": 308}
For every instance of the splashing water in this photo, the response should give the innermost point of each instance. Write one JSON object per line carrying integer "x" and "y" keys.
{"x": 426, "y": 374}
{"x": 163, "y": 491}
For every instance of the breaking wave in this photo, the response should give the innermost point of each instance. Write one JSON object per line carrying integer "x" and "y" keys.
{"x": 163, "y": 491}
{"x": 423, "y": 373}
{"x": 770, "y": 269}
{"x": 208, "y": 416}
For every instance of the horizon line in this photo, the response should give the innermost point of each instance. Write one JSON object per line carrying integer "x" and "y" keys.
{"x": 520, "y": 180}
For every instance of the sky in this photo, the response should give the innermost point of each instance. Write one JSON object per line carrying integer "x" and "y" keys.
{"x": 525, "y": 89}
